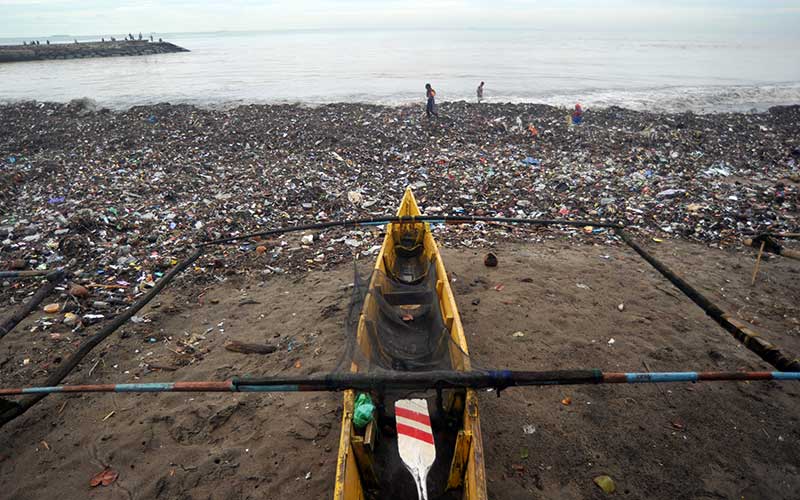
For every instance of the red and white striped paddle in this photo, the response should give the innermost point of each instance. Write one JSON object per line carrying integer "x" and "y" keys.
{"x": 415, "y": 440}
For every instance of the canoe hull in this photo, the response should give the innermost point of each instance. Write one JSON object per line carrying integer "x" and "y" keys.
{"x": 467, "y": 471}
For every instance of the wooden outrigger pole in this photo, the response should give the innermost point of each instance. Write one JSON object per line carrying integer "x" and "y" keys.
{"x": 403, "y": 381}
{"x": 768, "y": 244}
{"x": 388, "y": 219}
{"x": 741, "y": 332}
{"x": 66, "y": 367}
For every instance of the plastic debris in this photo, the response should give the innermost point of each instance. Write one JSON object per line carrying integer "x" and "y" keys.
{"x": 355, "y": 197}
{"x": 605, "y": 483}
{"x": 71, "y": 319}
{"x": 134, "y": 190}
{"x": 105, "y": 477}
{"x": 670, "y": 193}
{"x": 531, "y": 161}
{"x": 79, "y": 291}
{"x": 362, "y": 410}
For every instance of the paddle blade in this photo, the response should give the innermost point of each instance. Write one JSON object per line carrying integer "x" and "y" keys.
{"x": 415, "y": 440}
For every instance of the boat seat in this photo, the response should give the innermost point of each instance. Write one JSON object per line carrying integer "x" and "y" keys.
{"x": 406, "y": 271}
{"x": 413, "y": 250}
{"x": 408, "y": 298}
{"x": 410, "y": 244}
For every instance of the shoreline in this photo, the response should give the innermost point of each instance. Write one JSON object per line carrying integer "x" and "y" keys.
{"x": 410, "y": 104}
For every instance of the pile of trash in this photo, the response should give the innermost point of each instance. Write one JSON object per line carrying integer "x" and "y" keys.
{"x": 118, "y": 197}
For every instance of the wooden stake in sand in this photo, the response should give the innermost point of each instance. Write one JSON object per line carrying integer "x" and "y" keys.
{"x": 415, "y": 440}
{"x": 758, "y": 262}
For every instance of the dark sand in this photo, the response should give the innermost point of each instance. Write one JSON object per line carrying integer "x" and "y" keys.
{"x": 703, "y": 441}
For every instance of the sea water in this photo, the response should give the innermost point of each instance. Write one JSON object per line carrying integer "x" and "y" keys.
{"x": 671, "y": 72}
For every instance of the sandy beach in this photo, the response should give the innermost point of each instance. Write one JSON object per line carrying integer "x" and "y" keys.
{"x": 117, "y": 198}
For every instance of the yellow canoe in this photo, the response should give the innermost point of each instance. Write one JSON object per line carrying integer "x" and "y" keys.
{"x": 368, "y": 463}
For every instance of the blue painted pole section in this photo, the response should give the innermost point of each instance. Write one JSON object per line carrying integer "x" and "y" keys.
{"x": 643, "y": 378}
{"x": 42, "y": 390}
{"x": 151, "y": 387}
{"x": 501, "y": 375}
{"x": 786, "y": 375}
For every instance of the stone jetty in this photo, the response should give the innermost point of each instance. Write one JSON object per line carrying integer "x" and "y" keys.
{"x": 14, "y": 53}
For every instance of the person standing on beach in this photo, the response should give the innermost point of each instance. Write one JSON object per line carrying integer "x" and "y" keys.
{"x": 430, "y": 108}
{"x": 577, "y": 115}
{"x": 479, "y": 92}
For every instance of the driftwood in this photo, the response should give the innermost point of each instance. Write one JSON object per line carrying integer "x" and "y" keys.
{"x": 245, "y": 348}
{"x": 25, "y": 309}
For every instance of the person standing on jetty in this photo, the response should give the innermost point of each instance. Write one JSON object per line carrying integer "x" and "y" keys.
{"x": 479, "y": 92}
{"x": 430, "y": 108}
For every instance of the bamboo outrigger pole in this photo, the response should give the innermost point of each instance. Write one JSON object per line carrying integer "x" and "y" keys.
{"x": 769, "y": 244}
{"x": 749, "y": 338}
{"x": 386, "y": 219}
{"x": 497, "y": 379}
{"x": 86, "y": 347}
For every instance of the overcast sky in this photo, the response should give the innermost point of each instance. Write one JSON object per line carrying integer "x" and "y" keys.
{"x": 97, "y": 17}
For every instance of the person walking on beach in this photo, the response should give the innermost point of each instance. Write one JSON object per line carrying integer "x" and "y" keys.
{"x": 479, "y": 92}
{"x": 430, "y": 108}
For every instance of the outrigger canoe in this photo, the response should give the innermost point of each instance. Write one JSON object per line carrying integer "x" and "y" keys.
{"x": 409, "y": 306}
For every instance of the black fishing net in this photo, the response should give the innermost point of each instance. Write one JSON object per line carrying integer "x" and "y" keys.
{"x": 402, "y": 325}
